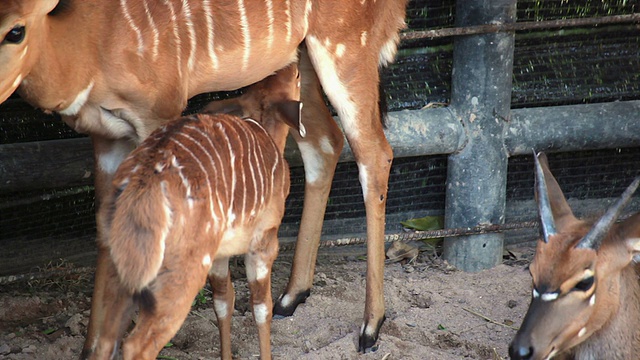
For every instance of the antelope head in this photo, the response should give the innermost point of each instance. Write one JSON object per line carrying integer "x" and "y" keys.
{"x": 272, "y": 102}
{"x": 577, "y": 271}
{"x": 23, "y": 26}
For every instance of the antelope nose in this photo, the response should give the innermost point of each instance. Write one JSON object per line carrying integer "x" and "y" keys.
{"x": 520, "y": 352}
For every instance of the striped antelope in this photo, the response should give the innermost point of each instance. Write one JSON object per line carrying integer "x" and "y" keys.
{"x": 195, "y": 192}
{"x": 586, "y": 295}
{"x": 117, "y": 70}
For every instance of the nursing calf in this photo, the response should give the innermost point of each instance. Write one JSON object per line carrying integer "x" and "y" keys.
{"x": 198, "y": 190}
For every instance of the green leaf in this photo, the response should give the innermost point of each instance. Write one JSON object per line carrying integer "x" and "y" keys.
{"x": 49, "y": 331}
{"x": 169, "y": 344}
{"x": 441, "y": 327}
{"x": 425, "y": 224}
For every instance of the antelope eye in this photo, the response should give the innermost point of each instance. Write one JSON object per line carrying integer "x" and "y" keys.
{"x": 15, "y": 35}
{"x": 585, "y": 284}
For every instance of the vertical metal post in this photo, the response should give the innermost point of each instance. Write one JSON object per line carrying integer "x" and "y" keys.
{"x": 481, "y": 98}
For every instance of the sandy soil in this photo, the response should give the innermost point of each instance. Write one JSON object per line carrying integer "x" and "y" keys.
{"x": 433, "y": 312}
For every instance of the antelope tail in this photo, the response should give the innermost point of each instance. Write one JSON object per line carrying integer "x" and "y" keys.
{"x": 142, "y": 219}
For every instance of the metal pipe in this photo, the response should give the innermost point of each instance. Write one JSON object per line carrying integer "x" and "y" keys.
{"x": 519, "y": 26}
{"x": 481, "y": 98}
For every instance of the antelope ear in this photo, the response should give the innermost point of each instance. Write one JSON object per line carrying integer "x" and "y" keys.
{"x": 47, "y": 6}
{"x": 228, "y": 106}
{"x": 291, "y": 114}
{"x": 562, "y": 213}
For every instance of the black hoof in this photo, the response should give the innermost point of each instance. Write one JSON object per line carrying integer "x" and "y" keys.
{"x": 280, "y": 311}
{"x": 367, "y": 341}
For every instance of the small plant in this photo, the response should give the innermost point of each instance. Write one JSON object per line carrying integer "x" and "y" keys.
{"x": 200, "y": 299}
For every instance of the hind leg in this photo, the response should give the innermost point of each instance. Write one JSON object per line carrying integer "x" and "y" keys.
{"x": 174, "y": 290}
{"x": 351, "y": 83}
{"x": 223, "y": 303}
{"x": 320, "y": 150}
{"x": 259, "y": 262}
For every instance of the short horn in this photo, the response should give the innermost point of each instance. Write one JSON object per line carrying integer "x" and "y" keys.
{"x": 594, "y": 237}
{"x": 547, "y": 223}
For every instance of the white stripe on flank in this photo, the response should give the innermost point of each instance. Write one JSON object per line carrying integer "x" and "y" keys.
{"x": 246, "y": 36}
{"x": 265, "y": 182}
{"x": 218, "y": 157}
{"x": 192, "y": 33}
{"x": 168, "y": 223}
{"x": 176, "y": 35}
{"x": 251, "y": 161}
{"x": 206, "y": 6}
{"x": 78, "y": 102}
{"x": 270, "y": 23}
{"x": 232, "y": 160}
{"x": 154, "y": 29}
{"x": 127, "y": 16}
{"x": 287, "y": 12}
{"x": 307, "y": 12}
{"x": 213, "y": 166}
{"x": 206, "y": 176}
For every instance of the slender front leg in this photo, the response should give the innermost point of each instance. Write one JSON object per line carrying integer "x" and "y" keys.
{"x": 320, "y": 150}
{"x": 351, "y": 83}
{"x": 108, "y": 154}
{"x": 223, "y": 303}
{"x": 259, "y": 261}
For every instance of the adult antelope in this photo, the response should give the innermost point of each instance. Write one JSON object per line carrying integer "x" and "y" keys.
{"x": 117, "y": 70}
{"x": 195, "y": 192}
{"x": 586, "y": 296}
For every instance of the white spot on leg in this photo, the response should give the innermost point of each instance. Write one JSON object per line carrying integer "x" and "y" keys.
{"x": 206, "y": 261}
{"x": 340, "y": 49}
{"x": 285, "y": 300}
{"x": 370, "y": 330}
{"x": 260, "y": 313}
{"x": 549, "y": 296}
{"x": 592, "y": 301}
{"x": 363, "y": 38}
{"x": 362, "y": 174}
{"x": 535, "y": 294}
{"x": 261, "y": 270}
{"x": 325, "y": 145}
{"x": 313, "y": 162}
{"x": 220, "y": 307}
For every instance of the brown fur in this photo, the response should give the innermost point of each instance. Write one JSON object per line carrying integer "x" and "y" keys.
{"x": 196, "y": 191}
{"x": 611, "y": 328}
{"x": 92, "y": 42}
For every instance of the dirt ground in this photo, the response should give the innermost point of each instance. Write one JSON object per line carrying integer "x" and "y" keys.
{"x": 433, "y": 312}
